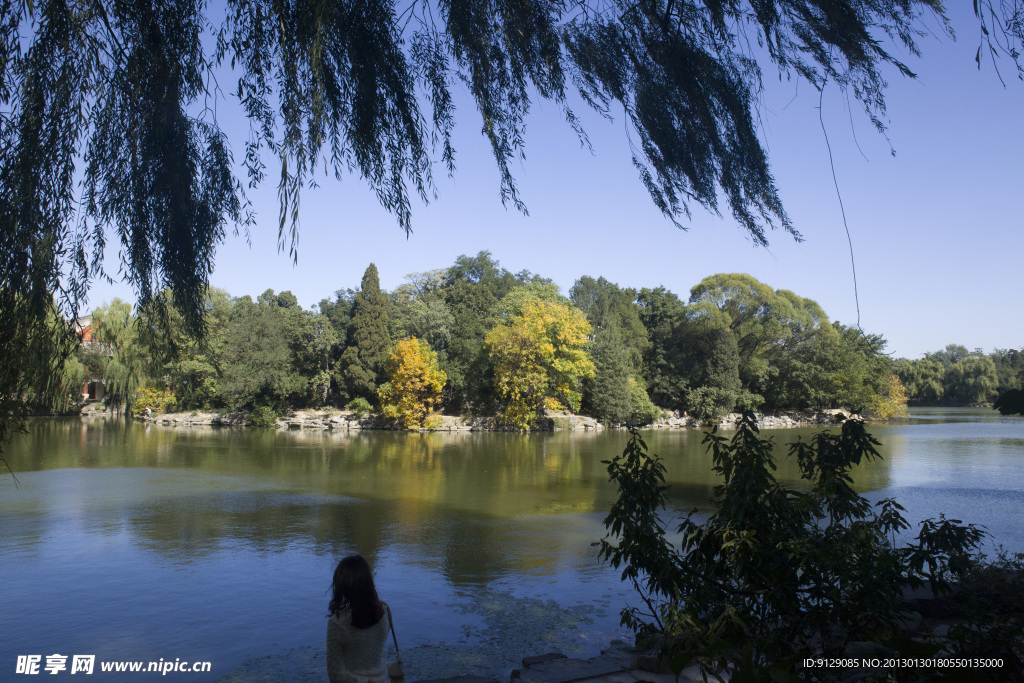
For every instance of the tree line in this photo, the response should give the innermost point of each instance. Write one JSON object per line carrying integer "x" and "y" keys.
{"x": 956, "y": 376}
{"x": 475, "y": 338}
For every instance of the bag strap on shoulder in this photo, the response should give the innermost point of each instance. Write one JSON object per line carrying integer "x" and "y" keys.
{"x": 391, "y": 623}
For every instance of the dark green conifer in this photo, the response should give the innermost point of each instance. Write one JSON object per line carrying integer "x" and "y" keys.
{"x": 368, "y": 339}
{"x": 606, "y": 396}
{"x": 468, "y": 365}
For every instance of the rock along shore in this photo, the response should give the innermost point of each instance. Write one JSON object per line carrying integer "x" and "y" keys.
{"x": 345, "y": 420}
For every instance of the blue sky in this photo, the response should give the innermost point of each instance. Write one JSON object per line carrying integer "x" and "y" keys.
{"x": 936, "y": 229}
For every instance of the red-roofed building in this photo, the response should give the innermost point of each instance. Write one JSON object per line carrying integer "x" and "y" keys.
{"x": 94, "y": 388}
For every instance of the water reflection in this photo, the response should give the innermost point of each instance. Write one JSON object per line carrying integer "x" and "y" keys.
{"x": 184, "y": 496}
{"x": 169, "y": 535}
{"x": 502, "y": 475}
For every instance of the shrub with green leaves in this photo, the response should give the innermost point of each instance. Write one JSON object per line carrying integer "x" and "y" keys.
{"x": 157, "y": 400}
{"x": 360, "y": 407}
{"x": 710, "y": 403}
{"x": 989, "y": 612}
{"x": 747, "y": 401}
{"x": 642, "y": 410}
{"x": 263, "y": 416}
{"x": 774, "y": 575}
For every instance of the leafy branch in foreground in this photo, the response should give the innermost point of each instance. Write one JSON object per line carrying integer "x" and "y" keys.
{"x": 774, "y": 575}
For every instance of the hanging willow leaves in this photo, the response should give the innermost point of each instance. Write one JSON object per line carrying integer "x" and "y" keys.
{"x": 109, "y": 126}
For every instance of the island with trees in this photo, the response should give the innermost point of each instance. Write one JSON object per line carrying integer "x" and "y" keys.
{"x": 476, "y": 340}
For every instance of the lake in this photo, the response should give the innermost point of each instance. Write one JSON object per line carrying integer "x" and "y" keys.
{"x": 139, "y": 542}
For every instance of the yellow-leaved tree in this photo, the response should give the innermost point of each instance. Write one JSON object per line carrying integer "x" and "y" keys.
{"x": 413, "y": 390}
{"x": 892, "y": 404}
{"x": 539, "y": 355}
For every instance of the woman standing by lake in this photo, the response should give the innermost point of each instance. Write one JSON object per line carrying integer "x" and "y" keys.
{"x": 357, "y": 627}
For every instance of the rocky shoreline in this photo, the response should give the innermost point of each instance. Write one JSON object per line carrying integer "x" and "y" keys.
{"x": 345, "y": 420}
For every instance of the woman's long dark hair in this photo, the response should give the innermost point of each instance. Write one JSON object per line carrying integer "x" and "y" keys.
{"x": 353, "y": 588}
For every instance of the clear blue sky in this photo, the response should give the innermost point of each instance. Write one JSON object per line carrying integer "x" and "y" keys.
{"x": 936, "y": 229}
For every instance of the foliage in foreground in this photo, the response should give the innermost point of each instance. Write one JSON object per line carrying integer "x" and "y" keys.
{"x": 774, "y": 575}
{"x": 990, "y": 609}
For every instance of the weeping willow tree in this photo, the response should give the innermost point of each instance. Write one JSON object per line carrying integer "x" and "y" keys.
{"x": 117, "y": 332}
{"x": 37, "y": 368}
{"x": 109, "y": 126}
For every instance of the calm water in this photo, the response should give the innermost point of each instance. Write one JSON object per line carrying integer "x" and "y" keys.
{"x": 139, "y": 543}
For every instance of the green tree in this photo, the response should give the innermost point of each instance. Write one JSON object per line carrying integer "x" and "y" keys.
{"x": 413, "y": 390}
{"x": 662, "y": 314}
{"x": 339, "y": 310}
{"x": 472, "y": 288}
{"x": 369, "y": 340}
{"x": 807, "y": 359}
{"x": 789, "y": 352}
{"x": 924, "y": 379}
{"x": 194, "y": 371}
{"x": 773, "y": 575}
{"x": 36, "y": 346}
{"x": 755, "y": 316}
{"x": 953, "y": 353}
{"x": 971, "y": 380}
{"x": 285, "y": 300}
{"x": 418, "y": 309}
{"x": 805, "y": 364}
{"x": 258, "y": 363}
{"x": 641, "y": 410}
{"x": 339, "y": 313}
{"x": 194, "y": 382}
{"x": 55, "y": 391}
{"x": 606, "y": 395}
{"x": 484, "y": 270}
{"x": 124, "y": 373}
{"x": 711, "y": 362}
{"x": 175, "y": 356}
{"x": 605, "y": 302}
{"x": 470, "y": 376}
{"x": 967, "y": 377}
{"x": 861, "y": 371}
{"x": 1009, "y": 368}
{"x": 619, "y": 383}
{"x": 513, "y": 303}
{"x": 314, "y": 348}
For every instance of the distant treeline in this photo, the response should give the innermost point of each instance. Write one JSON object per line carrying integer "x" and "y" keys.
{"x": 489, "y": 341}
{"x": 956, "y": 376}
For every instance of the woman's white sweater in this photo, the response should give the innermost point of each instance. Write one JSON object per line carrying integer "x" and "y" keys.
{"x": 356, "y": 655}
